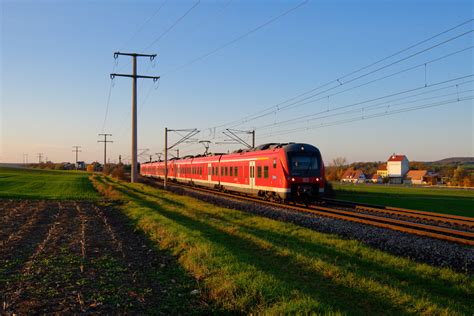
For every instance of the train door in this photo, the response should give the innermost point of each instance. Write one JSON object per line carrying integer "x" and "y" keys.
{"x": 209, "y": 169}
{"x": 252, "y": 174}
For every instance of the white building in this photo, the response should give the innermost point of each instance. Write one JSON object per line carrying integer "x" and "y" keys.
{"x": 397, "y": 168}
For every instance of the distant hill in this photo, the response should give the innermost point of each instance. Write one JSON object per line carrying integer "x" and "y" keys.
{"x": 454, "y": 160}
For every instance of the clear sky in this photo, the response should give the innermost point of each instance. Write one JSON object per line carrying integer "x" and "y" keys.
{"x": 56, "y": 57}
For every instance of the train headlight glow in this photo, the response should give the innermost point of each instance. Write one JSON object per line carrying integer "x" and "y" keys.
{"x": 292, "y": 179}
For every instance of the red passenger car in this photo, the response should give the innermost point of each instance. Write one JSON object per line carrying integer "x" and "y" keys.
{"x": 279, "y": 172}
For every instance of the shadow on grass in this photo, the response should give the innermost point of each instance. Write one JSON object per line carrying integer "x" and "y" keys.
{"x": 282, "y": 268}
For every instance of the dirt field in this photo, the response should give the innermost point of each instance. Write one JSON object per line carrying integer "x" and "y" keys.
{"x": 58, "y": 256}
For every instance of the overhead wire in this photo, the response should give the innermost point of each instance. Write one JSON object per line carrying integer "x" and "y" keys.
{"x": 307, "y": 116}
{"x": 386, "y": 104}
{"x": 381, "y": 78}
{"x": 297, "y": 103}
{"x": 337, "y": 80}
{"x": 142, "y": 26}
{"x": 238, "y": 38}
{"x": 365, "y": 117}
{"x": 167, "y": 30}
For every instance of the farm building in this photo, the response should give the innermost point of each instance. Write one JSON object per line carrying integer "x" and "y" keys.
{"x": 353, "y": 176}
{"x": 420, "y": 177}
{"x": 382, "y": 171}
{"x": 397, "y": 168}
{"x": 415, "y": 177}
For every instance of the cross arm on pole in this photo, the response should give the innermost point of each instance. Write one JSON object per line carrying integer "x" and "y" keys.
{"x": 155, "y": 78}
{"x": 152, "y": 56}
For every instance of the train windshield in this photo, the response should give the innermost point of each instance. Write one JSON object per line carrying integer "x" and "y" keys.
{"x": 304, "y": 165}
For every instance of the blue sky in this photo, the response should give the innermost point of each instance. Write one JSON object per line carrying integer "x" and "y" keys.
{"x": 56, "y": 57}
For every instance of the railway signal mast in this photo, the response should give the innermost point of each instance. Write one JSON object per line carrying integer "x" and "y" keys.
{"x": 134, "y": 76}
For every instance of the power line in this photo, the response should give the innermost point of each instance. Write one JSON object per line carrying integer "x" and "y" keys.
{"x": 373, "y": 99}
{"x": 372, "y": 81}
{"x": 172, "y": 26}
{"x": 336, "y": 81}
{"x": 142, "y": 26}
{"x": 279, "y": 108}
{"x": 386, "y": 105}
{"x": 238, "y": 38}
{"x": 365, "y": 117}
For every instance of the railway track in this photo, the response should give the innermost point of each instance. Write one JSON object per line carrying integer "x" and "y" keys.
{"x": 467, "y": 222}
{"x": 348, "y": 211}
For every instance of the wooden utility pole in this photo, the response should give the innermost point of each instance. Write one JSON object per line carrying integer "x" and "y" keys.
{"x": 105, "y": 141}
{"x": 77, "y": 150}
{"x": 134, "y": 76}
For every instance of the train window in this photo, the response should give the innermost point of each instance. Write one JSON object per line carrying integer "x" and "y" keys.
{"x": 231, "y": 171}
{"x": 274, "y": 163}
{"x": 259, "y": 172}
{"x": 222, "y": 171}
{"x": 200, "y": 170}
{"x": 236, "y": 169}
{"x": 225, "y": 170}
{"x": 265, "y": 172}
{"x": 251, "y": 172}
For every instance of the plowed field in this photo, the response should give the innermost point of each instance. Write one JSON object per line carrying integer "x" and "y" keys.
{"x": 64, "y": 256}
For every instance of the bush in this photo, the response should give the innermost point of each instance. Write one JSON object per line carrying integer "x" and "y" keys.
{"x": 90, "y": 168}
{"x": 119, "y": 172}
{"x": 107, "y": 169}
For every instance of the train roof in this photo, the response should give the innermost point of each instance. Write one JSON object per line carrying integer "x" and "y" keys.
{"x": 287, "y": 147}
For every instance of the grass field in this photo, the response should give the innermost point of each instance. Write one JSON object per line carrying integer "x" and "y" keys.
{"x": 448, "y": 201}
{"x": 19, "y": 183}
{"x": 249, "y": 264}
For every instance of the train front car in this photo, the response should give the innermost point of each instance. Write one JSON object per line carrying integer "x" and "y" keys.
{"x": 304, "y": 170}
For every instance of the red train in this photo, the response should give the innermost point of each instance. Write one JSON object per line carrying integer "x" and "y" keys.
{"x": 279, "y": 172}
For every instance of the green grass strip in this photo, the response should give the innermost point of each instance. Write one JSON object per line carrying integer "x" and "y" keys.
{"x": 252, "y": 264}
{"x": 430, "y": 199}
{"x": 22, "y": 183}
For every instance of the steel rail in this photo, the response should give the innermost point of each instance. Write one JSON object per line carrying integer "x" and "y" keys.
{"x": 431, "y": 216}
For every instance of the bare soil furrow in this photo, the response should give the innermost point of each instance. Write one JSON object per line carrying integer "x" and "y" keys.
{"x": 77, "y": 257}
{"x": 12, "y": 219}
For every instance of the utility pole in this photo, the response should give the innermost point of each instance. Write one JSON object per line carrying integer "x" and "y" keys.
{"x": 77, "y": 150}
{"x": 134, "y": 76}
{"x": 120, "y": 159}
{"x": 39, "y": 155}
{"x": 105, "y": 141}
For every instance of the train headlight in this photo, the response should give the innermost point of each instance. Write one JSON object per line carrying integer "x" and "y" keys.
{"x": 317, "y": 179}
{"x": 292, "y": 179}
